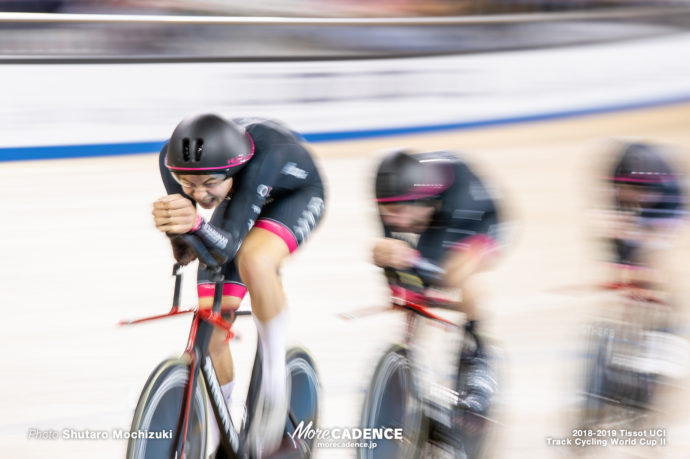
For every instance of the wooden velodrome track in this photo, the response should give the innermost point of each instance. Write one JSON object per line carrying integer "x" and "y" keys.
{"x": 80, "y": 253}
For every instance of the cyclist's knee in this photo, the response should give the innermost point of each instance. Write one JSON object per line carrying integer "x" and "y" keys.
{"x": 255, "y": 266}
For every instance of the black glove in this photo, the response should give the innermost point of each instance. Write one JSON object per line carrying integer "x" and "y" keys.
{"x": 182, "y": 252}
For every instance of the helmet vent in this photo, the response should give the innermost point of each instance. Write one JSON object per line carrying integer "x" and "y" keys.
{"x": 199, "y": 149}
{"x": 185, "y": 150}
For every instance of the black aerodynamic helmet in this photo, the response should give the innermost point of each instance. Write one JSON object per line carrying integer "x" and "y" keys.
{"x": 640, "y": 164}
{"x": 208, "y": 144}
{"x": 402, "y": 177}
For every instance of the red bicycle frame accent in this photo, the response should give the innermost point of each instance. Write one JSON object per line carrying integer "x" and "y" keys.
{"x": 402, "y": 298}
{"x": 420, "y": 303}
{"x": 204, "y": 314}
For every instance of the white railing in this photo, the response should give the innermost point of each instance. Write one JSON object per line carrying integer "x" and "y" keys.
{"x": 613, "y": 13}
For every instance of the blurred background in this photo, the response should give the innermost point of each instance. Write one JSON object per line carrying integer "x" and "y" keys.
{"x": 539, "y": 95}
{"x": 163, "y": 40}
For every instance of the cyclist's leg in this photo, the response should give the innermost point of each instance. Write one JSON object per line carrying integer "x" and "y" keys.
{"x": 218, "y": 348}
{"x": 281, "y": 228}
{"x": 463, "y": 260}
{"x": 478, "y": 380}
{"x": 259, "y": 260}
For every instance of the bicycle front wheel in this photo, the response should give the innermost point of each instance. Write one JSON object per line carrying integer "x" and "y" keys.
{"x": 152, "y": 434}
{"x": 392, "y": 401}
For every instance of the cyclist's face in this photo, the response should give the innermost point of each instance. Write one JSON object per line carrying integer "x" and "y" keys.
{"x": 634, "y": 196}
{"x": 406, "y": 218}
{"x": 207, "y": 190}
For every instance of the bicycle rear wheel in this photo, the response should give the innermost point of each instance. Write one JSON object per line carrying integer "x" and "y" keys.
{"x": 157, "y": 414}
{"x": 392, "y": 401}
{"x": 304, "y": 398}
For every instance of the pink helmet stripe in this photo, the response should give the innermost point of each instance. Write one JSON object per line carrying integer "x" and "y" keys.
{"x": 194, "y": 168}
{"x": 656, "y": 178}
{"x": 420, "y": 192}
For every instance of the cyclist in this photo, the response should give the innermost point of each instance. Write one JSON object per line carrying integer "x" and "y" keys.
{"x": 647, "y": 203}
{"x": 268, "y": 196}
{"x": 440, "y": 220}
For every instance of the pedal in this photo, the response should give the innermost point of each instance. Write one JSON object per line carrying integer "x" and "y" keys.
{"x": 440, "y": 411}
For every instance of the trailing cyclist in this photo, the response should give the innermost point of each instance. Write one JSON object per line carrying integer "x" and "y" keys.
{"x": 440, "y": 218}
{"x": 646, "y": 206}
{"x": 647, "y": 203}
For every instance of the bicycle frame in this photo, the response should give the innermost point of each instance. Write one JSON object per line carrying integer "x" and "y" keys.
{"x": 197, "y": 348}
{"x": 232, "y": 442}
{"x": 203, "y": 322}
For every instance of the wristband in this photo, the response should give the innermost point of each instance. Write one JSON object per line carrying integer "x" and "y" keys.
{"x": 416, "y": 256}
{"x": 197, "y": 223}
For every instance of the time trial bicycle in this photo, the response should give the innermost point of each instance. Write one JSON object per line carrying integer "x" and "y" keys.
{"x": 170, "y": 420}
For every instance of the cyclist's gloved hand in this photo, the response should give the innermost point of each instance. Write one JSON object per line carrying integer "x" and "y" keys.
{"x": 421, "y": 275}
{"x": 181, "y": 251}
{"x": 394, "y": 253}
{"x": 405, "y": 278}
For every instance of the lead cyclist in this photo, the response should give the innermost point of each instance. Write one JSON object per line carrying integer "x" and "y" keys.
{"x": 267, "y": 196}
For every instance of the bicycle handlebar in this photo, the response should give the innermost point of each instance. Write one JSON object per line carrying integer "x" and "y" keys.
{"x": 413, "y": 298}
{"x": 424, "y": 269}
{"x": 213, "y": 261}
{"x": 427, "y": 269}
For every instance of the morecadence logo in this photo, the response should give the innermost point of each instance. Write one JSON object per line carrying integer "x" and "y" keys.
{"x": 346, "y": 437}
